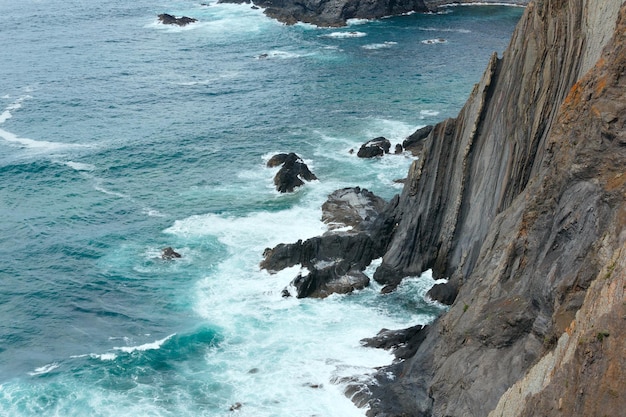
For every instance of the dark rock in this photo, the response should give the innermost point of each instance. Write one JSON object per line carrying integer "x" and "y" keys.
{"x": 375, "y": 147}
{"x": 351, "y": 207}
{"x": 279, "y": 158}
{"x": 236, "y": 407}
{"x": 333, "y": 12}
{"x": 335, "y": 261}
{"x": 399, "y": 149}
{"x": 445, "y": 293}
{"x": 415, "y": 142}
{"x": 168, "y": 19}
{"x": 325, "y": 280}
{"x": 404, "y": 343}
{"x": 292, "y": 172}
{"x": 169, "y": 254}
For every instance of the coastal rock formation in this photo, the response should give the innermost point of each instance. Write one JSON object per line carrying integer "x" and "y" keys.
{"x": 521, "y": 202}
{"x": 415, "y": 142}
{"x": 168, "y": 19}
{"x": 335, "y": 260}
{"x": 292, "y": 172}
{"x": 330, "y": 13}
{"x": 375, "y": 147}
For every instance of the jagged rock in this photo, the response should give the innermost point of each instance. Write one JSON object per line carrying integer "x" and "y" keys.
{"x": 329, "y": 279}
{"x": 403, "y": 343}
{"x": 445, "y": 293}
{"x": 520, "y": 200}
{"x": 292, "y": 172}
{"x": 169, "y": 254}
{"x": 335, "y": 260}
{"x": 333, "y": 12}
{"x": 356, "y": 248}
{"x": 279, "y": 158}
{"x": 398, "y": 149}
{"x": 415, "y": 142}
{"x": 236, "y": 407}
{"x": 168, "y": 19}
{"x": 375, "y": 147}
{"x": 351, "y": 207}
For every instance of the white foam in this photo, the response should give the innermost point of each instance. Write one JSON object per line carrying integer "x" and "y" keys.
{"x": 433, "y": 29}
{"x": 109, "y": 192}
{"x": 429, "y": 112}
{"x": 6, "y": 114}
{"x": 109, "y": 356}
{"x": 374, "y": 46}
{"x": 150, "y": 212}
{"x": 355, "y": 21}
{"x": 80, "y": 166}
{"x": 41, "y": 145}
{"x": 263, "y": 229}
{"x": 482, "y": 3}
{"x": 277, "y": 54}
{"x": 147, "y": 346}
{"x": 434, "y": 41}
{"x": 344, "y": 35}
{"x": 44, "y": 369}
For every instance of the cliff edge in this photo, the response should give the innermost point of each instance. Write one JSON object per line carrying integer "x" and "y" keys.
{"x": 521, "y": 202}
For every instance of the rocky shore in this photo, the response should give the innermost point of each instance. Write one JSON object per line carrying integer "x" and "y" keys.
{"x": 330, "y": 13}
{"x": 520, "y": 201}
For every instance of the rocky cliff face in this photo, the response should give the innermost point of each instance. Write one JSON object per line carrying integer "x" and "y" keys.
{"x": 521, "y": 202}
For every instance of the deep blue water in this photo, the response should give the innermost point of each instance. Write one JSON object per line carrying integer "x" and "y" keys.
{"x": 120, "y": 136}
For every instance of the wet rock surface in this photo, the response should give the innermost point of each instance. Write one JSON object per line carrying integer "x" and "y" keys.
{"x": 292, "y": 174}
{"x": 335, "y": 261}
{"x": 168, "y": 19}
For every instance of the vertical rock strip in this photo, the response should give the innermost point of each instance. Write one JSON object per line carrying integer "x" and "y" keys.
{"x": 521, "y": 202}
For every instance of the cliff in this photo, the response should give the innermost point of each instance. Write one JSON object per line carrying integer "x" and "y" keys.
{"x": 521, "y": 202}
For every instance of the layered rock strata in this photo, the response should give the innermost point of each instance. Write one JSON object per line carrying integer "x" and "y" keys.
{"x": 521, "y": 202}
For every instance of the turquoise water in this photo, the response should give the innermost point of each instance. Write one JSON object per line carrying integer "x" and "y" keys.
{"x": 120, "y": 136}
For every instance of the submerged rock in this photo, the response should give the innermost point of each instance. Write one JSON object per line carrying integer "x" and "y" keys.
{"x": 168, "y": 19}
{"x": 169, "y": 254}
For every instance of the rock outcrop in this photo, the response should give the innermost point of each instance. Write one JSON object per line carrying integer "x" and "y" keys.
{"x": 335, "y": 261}
{"x": 168, "y": 19}
{"x": 521, "y": 202}
{"x": 374, "y": 147}
{"x": 329, "y": 13}
{"x": 291, "y": 174}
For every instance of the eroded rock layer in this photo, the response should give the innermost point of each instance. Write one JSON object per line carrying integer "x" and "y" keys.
{"x": 521, "y": 202}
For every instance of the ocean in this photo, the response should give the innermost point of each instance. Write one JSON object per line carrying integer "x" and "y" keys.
{"x": 120, "y": 136}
